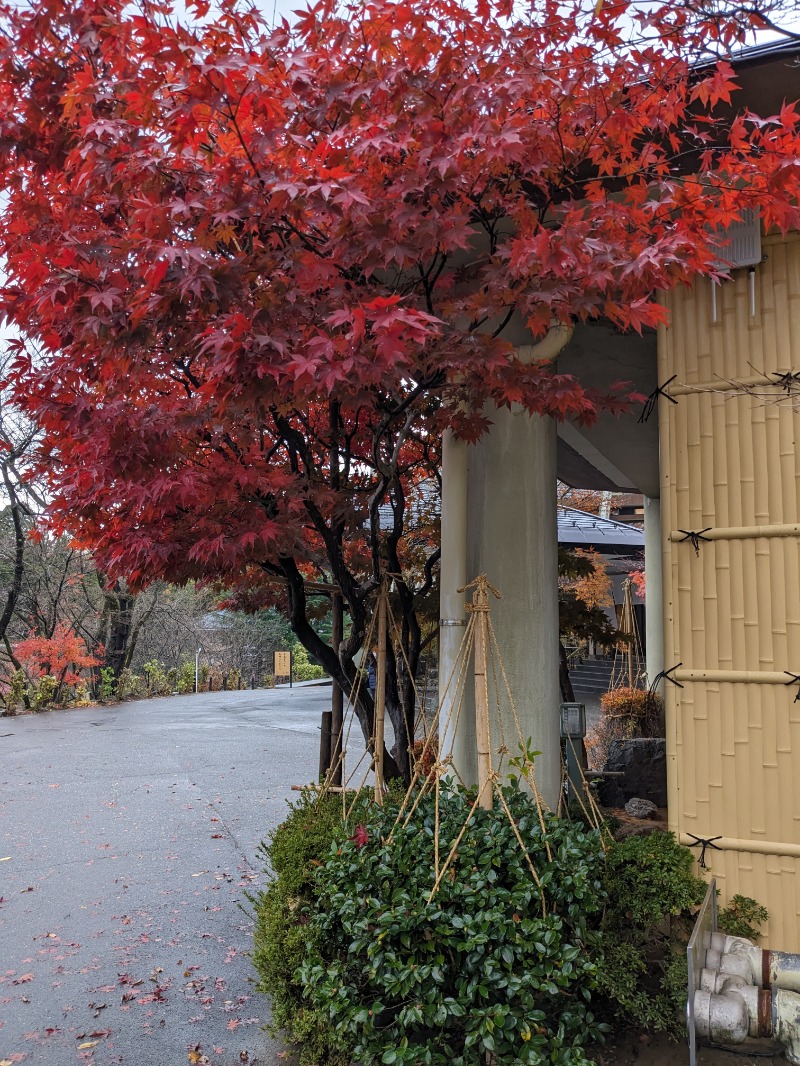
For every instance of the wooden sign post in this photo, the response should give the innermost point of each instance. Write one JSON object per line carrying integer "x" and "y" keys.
{"x": 283, "y": 665}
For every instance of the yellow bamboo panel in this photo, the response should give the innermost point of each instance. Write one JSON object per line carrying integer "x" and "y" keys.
{"x": 725, "y": 657}
{"x": 734, "y": 466}
{"x": 787, "y": 458}
{"x": 765, "y": 618}
{"x": 731, "y": 460}
{"x": 778, "y": 594}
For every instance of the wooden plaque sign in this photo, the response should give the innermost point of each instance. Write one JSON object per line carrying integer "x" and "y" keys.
{"x": 283, "y": 664}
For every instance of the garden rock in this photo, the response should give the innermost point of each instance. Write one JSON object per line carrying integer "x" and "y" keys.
{"x": 640, "y": 808}
{"x": 642, "y": 763}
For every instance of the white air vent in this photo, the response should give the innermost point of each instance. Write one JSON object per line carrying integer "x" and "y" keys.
{"x": 739, "y": 244}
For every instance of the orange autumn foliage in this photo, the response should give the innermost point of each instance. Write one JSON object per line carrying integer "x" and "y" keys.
{"x": 62, "y": 656}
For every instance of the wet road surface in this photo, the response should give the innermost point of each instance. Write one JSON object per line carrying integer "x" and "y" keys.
{"x": 128, "y": 839}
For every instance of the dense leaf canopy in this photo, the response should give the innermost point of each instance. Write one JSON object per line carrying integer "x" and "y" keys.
{"x": 257, "y": 269}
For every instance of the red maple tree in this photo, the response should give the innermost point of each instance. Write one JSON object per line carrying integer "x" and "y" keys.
{"x": 62, "y": 656}
{"x": 256, "y": 270}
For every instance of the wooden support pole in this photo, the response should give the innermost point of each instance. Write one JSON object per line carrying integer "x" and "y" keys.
{"x": 325, "y": 745}
{"x": 380, "y": 695}
{"x": 337, "y": 696}
{"x": 628, "y": 627}
{"x": 480, "y": 605}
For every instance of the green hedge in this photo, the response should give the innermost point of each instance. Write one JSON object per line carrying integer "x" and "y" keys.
{"x": 360, "y": 967}
{"x": 284, "y": 934}
{"x": 487, "y": 969}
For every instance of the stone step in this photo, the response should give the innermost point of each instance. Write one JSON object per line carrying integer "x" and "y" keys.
{"x": 594, "y": 676}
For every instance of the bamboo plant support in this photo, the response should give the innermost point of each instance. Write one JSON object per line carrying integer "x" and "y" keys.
{"x": 380, "y": 695}
{"x": 480, "y": 607}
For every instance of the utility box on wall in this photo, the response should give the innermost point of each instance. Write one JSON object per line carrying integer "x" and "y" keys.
{"x": 739, "y": 244}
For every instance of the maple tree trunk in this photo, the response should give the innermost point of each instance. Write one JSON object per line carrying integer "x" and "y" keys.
{"x": 342, "y": 668}
{"x": 120, "y": 621}
{"x": 19, "y": 559}
{"x": 337, "y": 695}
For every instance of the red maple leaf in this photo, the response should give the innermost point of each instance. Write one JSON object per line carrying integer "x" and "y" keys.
{"x": 360, "y": 837}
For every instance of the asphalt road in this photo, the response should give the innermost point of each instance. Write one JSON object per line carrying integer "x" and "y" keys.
{"x": 128, "y": 839}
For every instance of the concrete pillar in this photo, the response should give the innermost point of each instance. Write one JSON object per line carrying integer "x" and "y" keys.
{"x": 452, "y": 576}
{"x": 512, "y": 537}
{"x": 654, "y": 601}
{"x": 499, "y": 518}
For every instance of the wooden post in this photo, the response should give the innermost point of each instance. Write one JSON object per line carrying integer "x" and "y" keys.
{"x": 325, "y": 746}
{"x": 629, "y": 627}
{"x": 480, "y": 605}
{"x": 337, "y": 696}
{"x": 380, "y": 695}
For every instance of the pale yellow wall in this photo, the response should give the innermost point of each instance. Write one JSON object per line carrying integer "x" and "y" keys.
{"x": 732, "y": 462}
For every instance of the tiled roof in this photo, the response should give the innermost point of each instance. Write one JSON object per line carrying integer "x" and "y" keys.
{"x": 579, "y": 529}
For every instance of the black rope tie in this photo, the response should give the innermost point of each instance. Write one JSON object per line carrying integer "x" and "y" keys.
{"x": 695, "y": 537}
{"x": 652, "y": 399}
{"x": 789, "y": 380}
{"x": 665, "y": 675}
{"x": 703, "y": 843}
{"x": 794, "y": 679}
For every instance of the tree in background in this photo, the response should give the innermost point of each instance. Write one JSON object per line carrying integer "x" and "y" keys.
{"x": 580, "y": 574}
{"x": 639, "y": 581}
{"x": 588, "y": 500}
{"x": 24, "y": 503}
{"x": 60, "y": 590}
{"x": 258, "y": 270}
{"x": 60, "y": 658}
{"x": 593, "y": 584}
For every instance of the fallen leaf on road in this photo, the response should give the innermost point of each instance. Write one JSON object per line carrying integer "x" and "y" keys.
{"x": 22, "y": 979}
{"x": 233, "y": 1024}
{"x": 5, "y": 858}
{"x": 88, "y": 1043}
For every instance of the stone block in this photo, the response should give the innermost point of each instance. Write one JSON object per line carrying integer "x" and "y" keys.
{"x": 642, "y": 763}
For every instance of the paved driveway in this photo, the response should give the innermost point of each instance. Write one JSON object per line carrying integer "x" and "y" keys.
{"x": 128, "y": 838}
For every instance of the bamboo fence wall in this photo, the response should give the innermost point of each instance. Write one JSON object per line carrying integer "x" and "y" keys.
{"x": 730, "y": 460}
